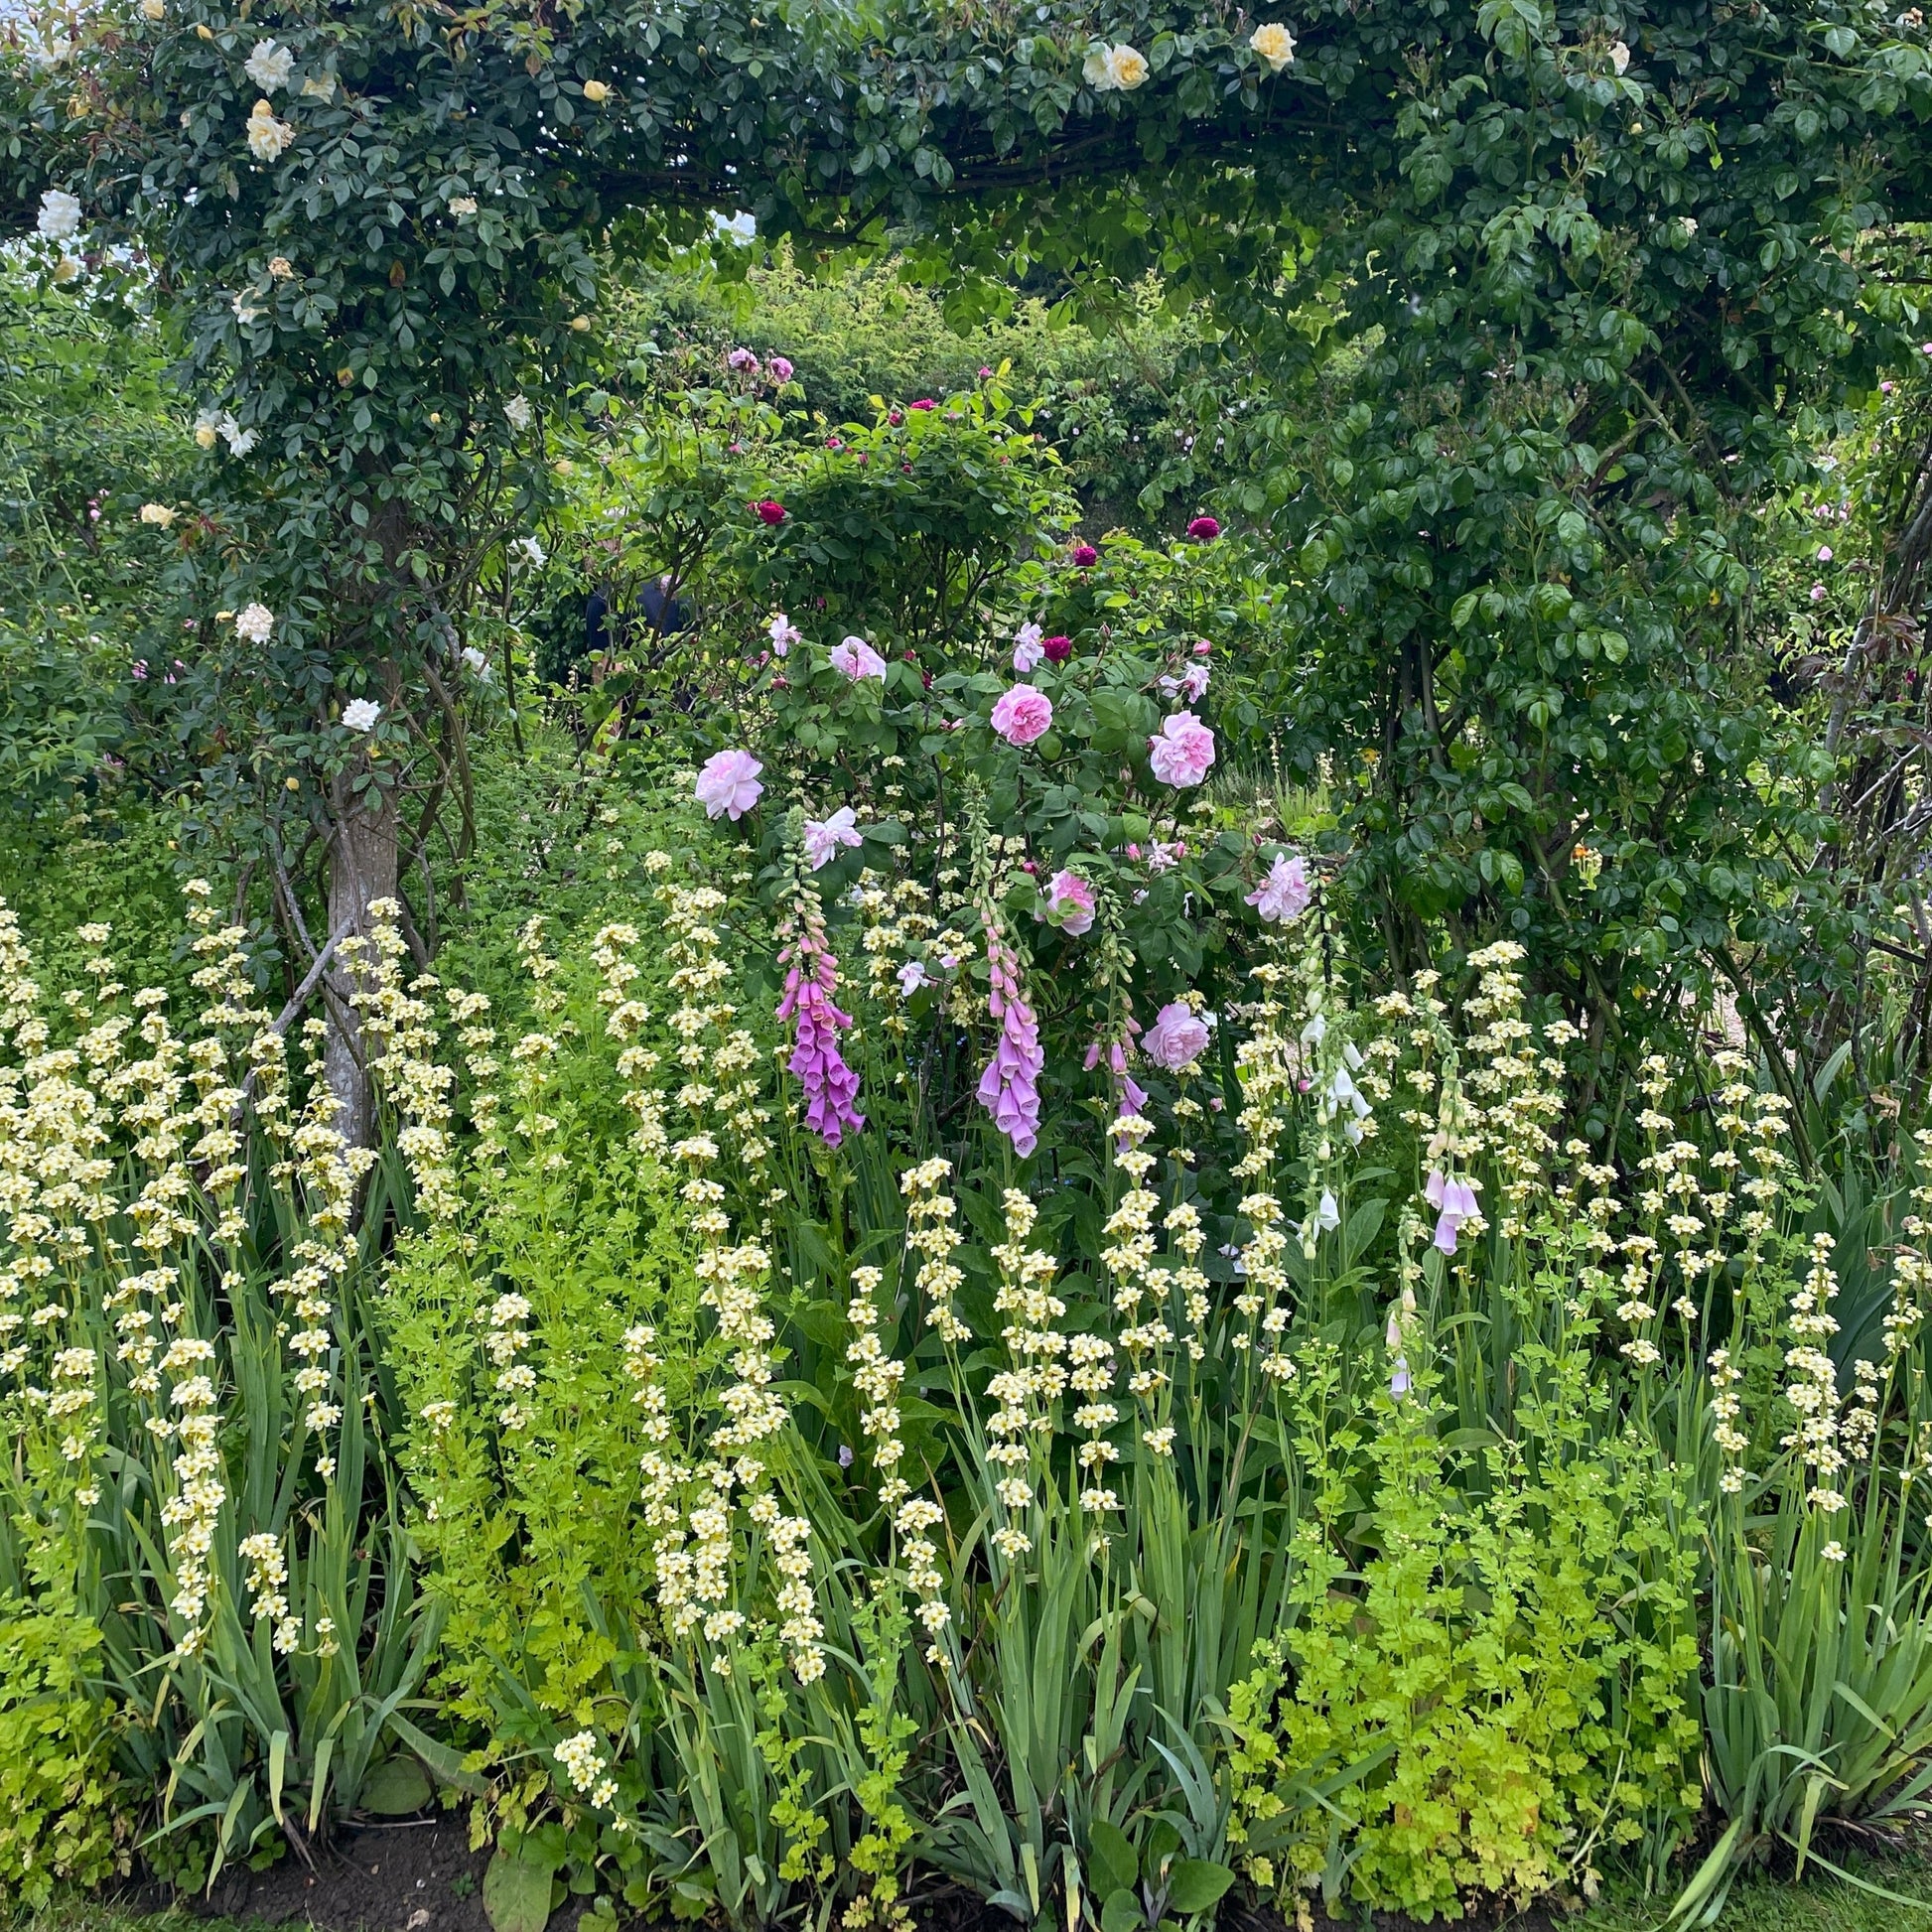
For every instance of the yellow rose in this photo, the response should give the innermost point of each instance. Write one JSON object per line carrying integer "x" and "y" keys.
{"x": 596, "y": 90}
{"x": 153, "y": 9}
{"x": 1275, "y": 45}
{"x": 1126, "y": 68}
{"x": 582, "y": 324}
{"x": 204, "y": 435}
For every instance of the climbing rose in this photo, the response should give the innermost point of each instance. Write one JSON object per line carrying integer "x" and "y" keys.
{"x": 770, "y": 511}
{"x": 267, "y": 137}
{"x": 1203, "y": 529}
{"x": 1274, "y": 44}
{"x": 823, "y": 837}
{"x": 857, "y": 659}
{"x": 60, "y": 214}
{"x": 255, "y": 621}
{"x": 1178, "y": 1037}
{"x": 1285, "y": 892}
{"x": 1085, "y": 556}
{"x": 1182, "y": 751}
{"x": 1022, "y": 714}
{"x": 362, "y": 714}
{"x": 1069, "y": 903}
{"x": 728, "y": 786}
{"x": 269, "y": 65}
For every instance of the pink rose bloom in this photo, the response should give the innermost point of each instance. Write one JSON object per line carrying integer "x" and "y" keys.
{"x": 1285, "y": 892}
{"x": 1069, "y": 903}
{"x": 1085, "y": 556}
{"x": 857, "y": 659}
{"x": 1818, "y": 592}
{"x": 824, "y": 836}
{"x": 1182, "y": 751}
{"x": 728, "y": 786}
{"x": 1022, "y": 714}
{"x": 742, "y": 361}
{"x": 1057, "y": 649}
{"x": 1203, "y": 647}
{"x": 1027, "y": 651}
{"x": 780, "y": 368}
{"x": 782, "y": 632}
{"x": 770, "y": 511}
{"x": 1203, "y": 529}
{"x": 1178, "y": 1037}
{"x": 924, "y": 402}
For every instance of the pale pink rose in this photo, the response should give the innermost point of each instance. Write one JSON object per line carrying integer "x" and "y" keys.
{"x": 1022, "y": 714}
{"x": 728, "y": 786}
{"x": 1178, "y": 1037}
{"x": 823, "y": 837}
{"x": 1182, "y": 751}
{"x": 1027, "y": 651}
{"x": 783, "y": 634}
{"x": 857, "y": 659}
{"x": 1284, "y": 893}
{"x": 1069, "y": 903}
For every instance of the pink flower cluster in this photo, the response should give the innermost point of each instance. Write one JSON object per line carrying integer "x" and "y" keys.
{"x": 1182, "y": 751}
{"x": 1009, "y": 1089}
{"x": 1178, "y": 1037}
{"x": 811, "y": 979}
{"x": 1286, "y": 889}
{"x": 1456, "y": 1202}
{"x": 1022, "y": 714}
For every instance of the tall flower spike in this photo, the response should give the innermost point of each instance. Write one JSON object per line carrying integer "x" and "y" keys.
{"x": 811, "y": 979}
{"x": 1009, "y": 1089}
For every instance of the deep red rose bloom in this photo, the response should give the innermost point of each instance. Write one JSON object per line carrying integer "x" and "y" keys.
{"x": 1086, "y": 555}
{"x": 1057, "y": 649}
{"x": 769, "y": 512}
{"x": 1203, "y": 529}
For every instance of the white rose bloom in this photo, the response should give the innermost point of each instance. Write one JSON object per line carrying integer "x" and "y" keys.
{"x": 463, "y": 204}
{"x": 517, "y": 411}
{"x": 255, "y": 621}
{"x": 269, "y": 66}
{"x": 60, "y": 214}
{"x": 475, "y": 660}
{"x": 1127, "y": 68}
{"x": 1274, "y": 45}
{"x": 1619, "y": 55}
{"x": 362, "y": 714}
{"x": 242, "y": 441}
{"x": 319, "y": 87}
{"x": 1096, "y": 70}
{"x": 267, "y": 137}
{"x": 531, "y": 551}
{"x": 157, "y": 514}
{"x": 153, "y": 9}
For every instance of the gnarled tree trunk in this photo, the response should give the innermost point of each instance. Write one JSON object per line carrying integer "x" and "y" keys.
{"x": 362, "y": 870}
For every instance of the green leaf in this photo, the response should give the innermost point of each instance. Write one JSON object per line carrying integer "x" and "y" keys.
{"x": 1196, "y": 1885}
{"x": 396, "y": 1788}
{"x": 516, "y": 1888}
{"x": 1111, "y": 1863}
{"x": 1121, "y": 1913}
